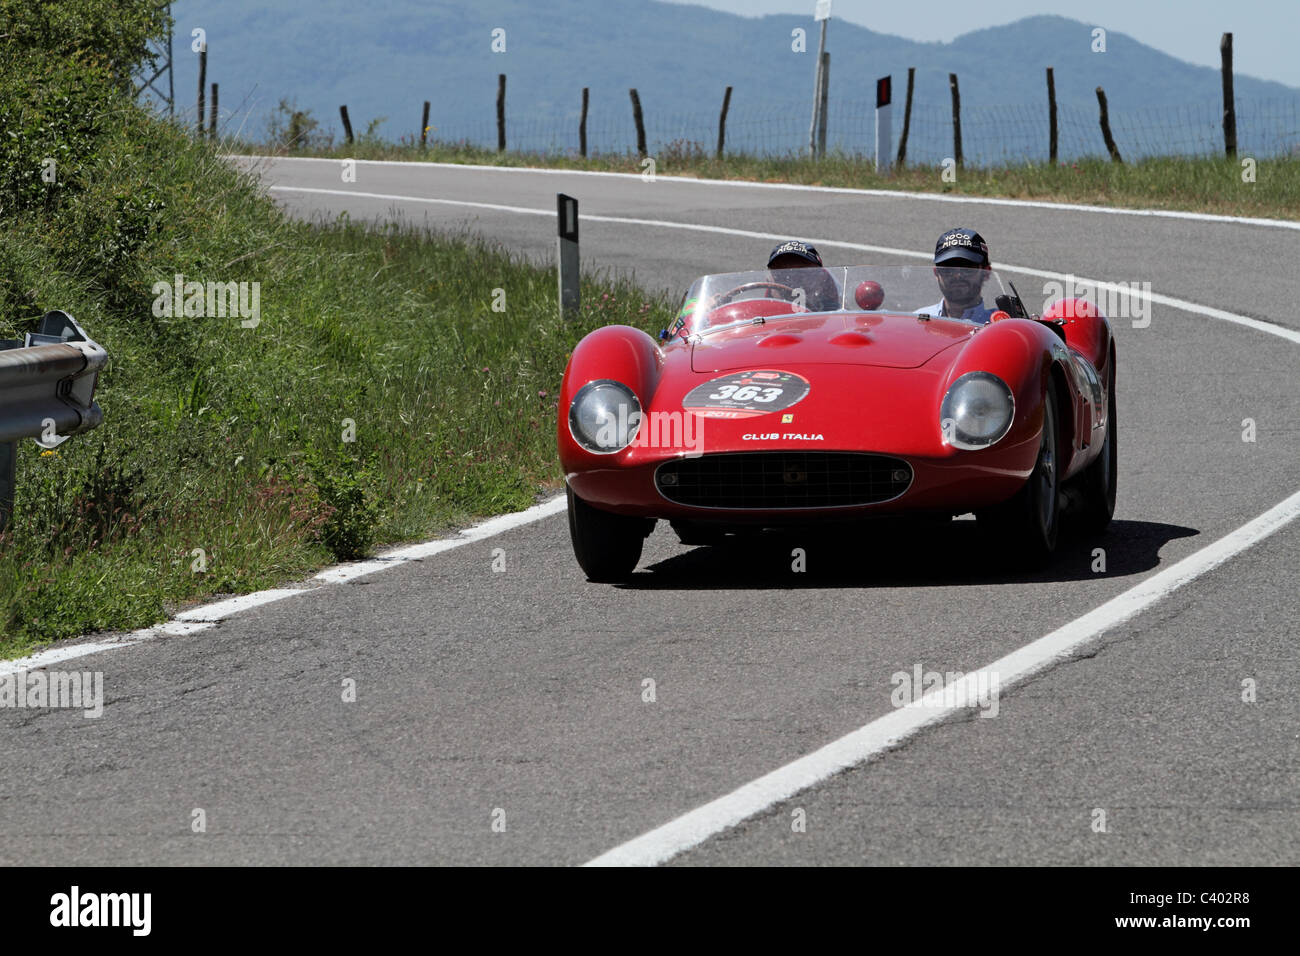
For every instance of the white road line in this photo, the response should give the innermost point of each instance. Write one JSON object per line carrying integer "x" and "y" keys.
{"x": 57, "y": 655}
{"x": 208, "y": 615}
{"x": 1258, "y": 325}
{"x": 693, "y": 828}
{"x": 834, "y": 190}
{"x": 425, "y": 549}
{"x": 220, "y": 610}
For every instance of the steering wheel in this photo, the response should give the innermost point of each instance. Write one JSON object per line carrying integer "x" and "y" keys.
{"x": 722, "y": 298}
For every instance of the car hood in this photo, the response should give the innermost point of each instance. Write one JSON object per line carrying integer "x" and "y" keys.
{"x": 885, "y": 340}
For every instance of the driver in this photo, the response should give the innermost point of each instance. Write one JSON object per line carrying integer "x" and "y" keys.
{"x": 961, "y": 264}
{"x": 820, "y": 292}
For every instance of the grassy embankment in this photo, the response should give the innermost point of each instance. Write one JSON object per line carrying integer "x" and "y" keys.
{"x": 224, "y": 462}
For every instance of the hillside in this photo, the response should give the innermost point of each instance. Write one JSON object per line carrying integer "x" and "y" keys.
{"x": 680, "y": 58}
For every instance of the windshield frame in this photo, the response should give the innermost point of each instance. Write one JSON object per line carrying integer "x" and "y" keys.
{"x": 904, "y": 289}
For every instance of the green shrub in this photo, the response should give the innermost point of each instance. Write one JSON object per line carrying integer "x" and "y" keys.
{"x": 351, "y": 512}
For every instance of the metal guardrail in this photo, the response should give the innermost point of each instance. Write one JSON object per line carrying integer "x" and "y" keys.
{"x": 47, "y": 392}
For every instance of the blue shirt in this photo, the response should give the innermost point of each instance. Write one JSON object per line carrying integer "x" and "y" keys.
{"x": 980, "y": 313}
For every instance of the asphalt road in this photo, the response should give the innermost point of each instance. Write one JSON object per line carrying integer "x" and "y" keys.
{"x": 522, "y": 691}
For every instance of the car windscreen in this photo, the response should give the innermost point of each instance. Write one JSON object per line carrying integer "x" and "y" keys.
{"x": 959, "y": 293}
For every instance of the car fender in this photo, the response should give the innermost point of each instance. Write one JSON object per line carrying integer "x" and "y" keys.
{"x": 1023, "y": 354}
{"x": 1087, "y": 331}
{"x": 619, "y": 352}
{"x": 1089, "y": 335}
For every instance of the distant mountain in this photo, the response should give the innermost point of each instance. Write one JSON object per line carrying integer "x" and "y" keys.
{"x": 384, "y": 60}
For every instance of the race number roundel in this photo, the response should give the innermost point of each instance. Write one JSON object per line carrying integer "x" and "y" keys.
{"x": 746, "y": 394}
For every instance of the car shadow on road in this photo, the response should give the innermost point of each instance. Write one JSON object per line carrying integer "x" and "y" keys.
{"x": 952, "y": 554}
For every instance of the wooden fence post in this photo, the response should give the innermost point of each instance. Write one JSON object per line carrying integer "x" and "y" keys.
{"x": 212, "y": 120}
{"x": 722, "y": 120}
{"x": 1051, "y": 117}
{"x": 1105, "y": 126}
{"x": 582, "y": 126}
{"x": 501, "y": 112}
{"x": 347, "y": 123}
{"x": 424, "y": 126}
{"x": 1229, "y": 105}
{"x": 956, "y": 118}
{"x": 817, "y": 90}
{"x": 821, "y": 112}
{"x": 907, "y": 118}
{"x": 640, "y": 122}
{"x": 203, "y": 82}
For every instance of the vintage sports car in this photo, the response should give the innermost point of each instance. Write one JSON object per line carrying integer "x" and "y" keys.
{"x": 754, "y": 412}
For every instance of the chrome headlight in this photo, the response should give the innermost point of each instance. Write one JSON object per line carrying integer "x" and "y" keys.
{"x": 604, "y": 416}
{"x": 977, "y": 411}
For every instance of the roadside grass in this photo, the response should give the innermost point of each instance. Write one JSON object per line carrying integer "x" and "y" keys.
{"x": 380, "y": 399}
{"x": 1208, "y": 184}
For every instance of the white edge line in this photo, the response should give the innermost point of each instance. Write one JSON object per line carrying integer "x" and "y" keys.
{"x": 425, "y": 549}
{"x": 693, "y": 828}
{"x": 208, "y": 615}
{"x": 220, "y": 610}
{"x": 58, "y": 654}
{"x": 834, "y": 190}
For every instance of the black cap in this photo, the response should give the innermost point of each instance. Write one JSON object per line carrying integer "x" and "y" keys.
{"x": 794, "y": 247}
{"x": 961, "y": 244}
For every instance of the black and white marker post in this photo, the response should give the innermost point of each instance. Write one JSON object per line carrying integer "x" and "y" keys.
{"x": 884, "y": 125}
{"x": 566, "y": 253}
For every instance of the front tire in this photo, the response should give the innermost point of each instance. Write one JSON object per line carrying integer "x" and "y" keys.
{"x": 1028, "y": 525}
{"x": 607, "y": 545}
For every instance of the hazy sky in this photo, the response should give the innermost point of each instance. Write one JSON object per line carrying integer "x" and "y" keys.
{"x": 1263, "y": 31}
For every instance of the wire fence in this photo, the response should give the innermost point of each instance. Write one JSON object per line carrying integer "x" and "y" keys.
{"x": 991, "y": 135}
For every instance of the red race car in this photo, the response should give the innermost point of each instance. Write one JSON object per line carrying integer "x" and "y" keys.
{"x": 785, "y": 398}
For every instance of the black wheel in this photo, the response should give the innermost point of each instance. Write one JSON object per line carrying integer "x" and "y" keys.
{"x": 607, "y": 545}
{"x": 1096, "y": 486}
{"x": 1027, "y": 526}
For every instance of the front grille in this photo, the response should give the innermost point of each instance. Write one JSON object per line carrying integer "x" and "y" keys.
{"x": 783, "y": 479}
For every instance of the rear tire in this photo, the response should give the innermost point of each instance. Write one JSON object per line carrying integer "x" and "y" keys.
{"x": 607, "y": 545}
{"x": 1096, "y": 486}
{"x": 1027, "y": 526}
